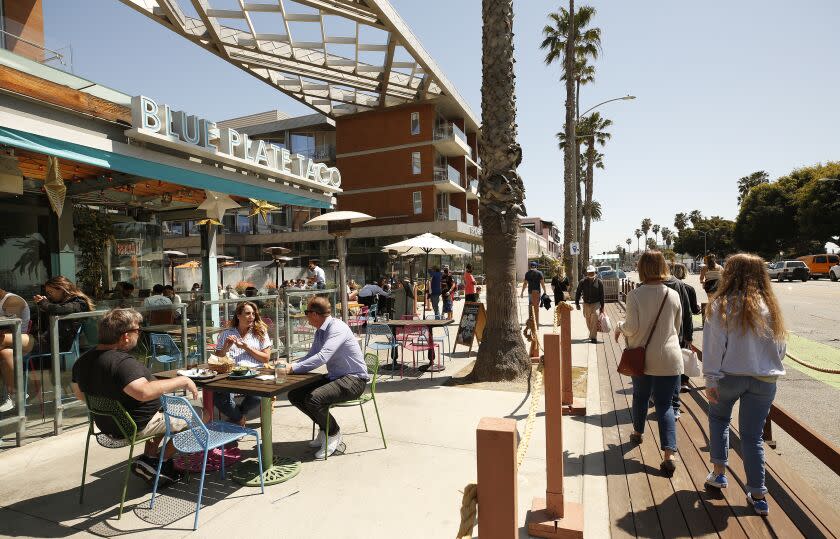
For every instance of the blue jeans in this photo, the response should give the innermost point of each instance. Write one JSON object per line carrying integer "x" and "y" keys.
{"x": 662, "y": 388}
{"x": 756, "y": 397}
{"x": 435, "y": 298}
{"x": 226, "y": 405}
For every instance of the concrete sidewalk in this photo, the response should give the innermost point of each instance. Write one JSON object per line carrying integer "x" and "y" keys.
{"x": 410, "y": 489}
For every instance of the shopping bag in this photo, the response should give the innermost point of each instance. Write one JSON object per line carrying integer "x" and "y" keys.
{"x": 691, "y": 363}
{"x": 604, "y": 324}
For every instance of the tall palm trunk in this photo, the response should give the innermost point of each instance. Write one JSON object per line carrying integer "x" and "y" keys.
{"x": 587, "y": 201}
{"x": 502, "y": 354}
{"x": 570, "y": 217}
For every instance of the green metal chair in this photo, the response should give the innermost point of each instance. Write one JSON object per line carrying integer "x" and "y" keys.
{"x": 104, "y": 406}
{"x": 372, "y": 361}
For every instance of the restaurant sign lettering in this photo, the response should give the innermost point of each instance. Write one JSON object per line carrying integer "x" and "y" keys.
{"x": 189, "y": 131}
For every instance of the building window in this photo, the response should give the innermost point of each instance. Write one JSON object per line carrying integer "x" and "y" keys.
{"x": 415, "y": 123}
{"x": 415, "y": 162}
{"x": 417, "y": 199}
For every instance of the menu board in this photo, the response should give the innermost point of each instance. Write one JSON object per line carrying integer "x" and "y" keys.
{"x": 473, "y": 320}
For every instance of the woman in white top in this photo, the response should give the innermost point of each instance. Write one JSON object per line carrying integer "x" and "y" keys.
{"x": 663, "y": 357}
{"x": 246, "y": 341}
{"x": 710, "y": 274}
{"x": 12, "y": 306}
{"x": 743, "y": 346}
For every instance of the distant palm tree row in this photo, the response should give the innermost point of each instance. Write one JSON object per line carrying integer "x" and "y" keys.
{"x": 681, "y": 221}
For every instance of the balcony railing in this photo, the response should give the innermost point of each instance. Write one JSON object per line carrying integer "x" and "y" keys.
{"x": 470, "y": 219}
{"x": 450, "y": 213}
{"x": 449, "y": 130}
{"x": 447, "y": 173}
{"x": 472, "y": 185}
{"x": 324, "y": 152}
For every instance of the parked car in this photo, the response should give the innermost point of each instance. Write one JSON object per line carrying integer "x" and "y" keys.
{"x": 820, "y": 265}
{"x": 612, "y": 274}
{"x": 790, "y": 270}
{"x": 599, "y": 269}
{"x": 834, "y": 272}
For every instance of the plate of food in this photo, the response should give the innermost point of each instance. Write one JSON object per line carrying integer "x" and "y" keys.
{"x": 197, "y": 374}
{"x": 240, "y": 372}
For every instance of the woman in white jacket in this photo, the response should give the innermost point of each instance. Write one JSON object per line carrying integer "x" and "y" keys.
{"x": 743, "y": 346}
{"x": 663, "y": 357}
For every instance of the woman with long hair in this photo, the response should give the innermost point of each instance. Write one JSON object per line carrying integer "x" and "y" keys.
{"x": 61, "y": 297}
{"x": 743, "y": 346}
{"x": 653, "y": 320}
{"x": 710, "y": 274}
{"x": 246, "y": 341}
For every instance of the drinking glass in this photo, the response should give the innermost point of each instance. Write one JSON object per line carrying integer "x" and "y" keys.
{"x": 280, "y": 372}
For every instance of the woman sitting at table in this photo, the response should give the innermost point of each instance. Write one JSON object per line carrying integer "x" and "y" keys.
{"x": 246, "y": 341}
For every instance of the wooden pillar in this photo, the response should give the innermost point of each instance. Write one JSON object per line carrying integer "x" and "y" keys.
{"x": 553, "y": 516}
{"x": 496, "y": 441}
{"x": 572, "y": 405}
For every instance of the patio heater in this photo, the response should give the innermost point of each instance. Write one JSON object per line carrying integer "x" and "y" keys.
{"x": 333, "y": 262}
{"x": 172, "y": 256}
{"x": 225, "y": 262}
{"x": 280, "y": 261}
{"x": 393, "y": 255}
{"x": 338, "y": 226}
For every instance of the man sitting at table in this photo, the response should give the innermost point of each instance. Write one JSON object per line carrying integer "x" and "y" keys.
{"x": 334, "y": 345}
{"x": 110, "y": 371}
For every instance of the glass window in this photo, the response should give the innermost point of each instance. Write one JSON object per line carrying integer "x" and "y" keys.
{"x": 415, "y": 162}
{"x": 415, "y": 123}
{"x": 304, "y": 144}
{"x": 820, "y": 259}
{"x": 417, "y": 199}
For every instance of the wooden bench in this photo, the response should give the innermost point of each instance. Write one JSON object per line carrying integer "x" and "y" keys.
{"x": 644, "y": 502}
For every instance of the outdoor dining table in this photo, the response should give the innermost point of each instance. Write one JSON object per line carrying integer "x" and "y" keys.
{"x": 431, "y": 324}
{"x": 276, "y": 468}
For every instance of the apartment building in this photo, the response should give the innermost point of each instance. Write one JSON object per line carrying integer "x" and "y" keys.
{"x": 549, "y": 231}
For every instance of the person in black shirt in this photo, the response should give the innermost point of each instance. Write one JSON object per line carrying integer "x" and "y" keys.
{"x": 534, "y": 279}
{"x": 110, "y": 371}
{"x": 447, "y": 287}
{"x": 592, "y": 290}
{"x": 560, "y": 285}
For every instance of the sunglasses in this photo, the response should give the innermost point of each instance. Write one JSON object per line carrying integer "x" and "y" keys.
{"x": 311, "y": 311}
{"x": 132, "y": 330}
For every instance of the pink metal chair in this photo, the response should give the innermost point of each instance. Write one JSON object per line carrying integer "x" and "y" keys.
{"x": 418, "y": 339}
{"x": 366, "y": 314}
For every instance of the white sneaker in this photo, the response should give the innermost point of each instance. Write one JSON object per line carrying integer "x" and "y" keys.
{"x": 329, "y": 448}
{"x": 7, "y": 405}
{"x": 318, "y": 441}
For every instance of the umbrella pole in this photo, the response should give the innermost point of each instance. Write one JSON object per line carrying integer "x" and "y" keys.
{"x": 426, "y": 294}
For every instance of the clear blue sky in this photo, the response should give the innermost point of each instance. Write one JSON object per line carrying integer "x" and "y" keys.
{"x": 724, "y": 88}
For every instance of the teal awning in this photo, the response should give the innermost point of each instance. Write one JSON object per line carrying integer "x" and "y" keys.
{"x": 150, "y": 169}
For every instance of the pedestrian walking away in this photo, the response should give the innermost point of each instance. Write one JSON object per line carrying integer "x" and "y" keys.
{"x": 686, "y": 330}
{"x": 534, "y": 280}
{"x": 592, "y": 289}
{"x": 653, "y": 320}
{"x": 560, "y": 286}
{"x": 743, "y": 346}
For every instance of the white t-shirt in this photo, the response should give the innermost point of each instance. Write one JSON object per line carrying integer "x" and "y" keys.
{"x": 240, "y": 355}
{"x": 318, "y": 273}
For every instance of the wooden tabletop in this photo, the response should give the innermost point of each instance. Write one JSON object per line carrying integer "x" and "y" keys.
{"x": 248, "y": 386}
{"x": 417, "y": 322}
{"x": 175, "y": 329}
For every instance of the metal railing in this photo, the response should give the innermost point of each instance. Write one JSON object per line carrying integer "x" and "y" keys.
{"x": 450, "y": 213}
{"x": 448, "y": 131}
{"x": 20, "y": 395}
{"x": 448, "y": 173}
{"x": 324, "y": 152}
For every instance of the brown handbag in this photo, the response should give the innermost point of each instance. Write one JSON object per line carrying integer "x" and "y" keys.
{"x": 633, "y": 359}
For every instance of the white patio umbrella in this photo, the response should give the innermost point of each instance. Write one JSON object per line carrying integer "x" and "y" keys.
{"x": 427, "y": 244}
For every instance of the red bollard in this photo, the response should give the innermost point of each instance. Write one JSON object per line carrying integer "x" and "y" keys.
{"x": 496, "y": 440}
{"x": 553, "y": 516}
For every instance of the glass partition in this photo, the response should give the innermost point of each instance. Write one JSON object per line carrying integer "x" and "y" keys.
{"x": 16, "y": 416}
{"x": 299, "y": 334}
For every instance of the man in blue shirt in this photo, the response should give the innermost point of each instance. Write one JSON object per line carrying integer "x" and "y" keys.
{"x": 334, "y": 345}
{"x": 435, "y": 277}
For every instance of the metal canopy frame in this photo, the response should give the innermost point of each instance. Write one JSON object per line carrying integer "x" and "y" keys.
{"x": 291, "y": 45}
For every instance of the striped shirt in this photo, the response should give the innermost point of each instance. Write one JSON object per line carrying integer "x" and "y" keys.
{"x": 239, "y": 355}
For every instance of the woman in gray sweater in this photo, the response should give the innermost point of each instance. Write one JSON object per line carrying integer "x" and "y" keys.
{"x": 743, "y": 346}
{"x": 663, "y": 357}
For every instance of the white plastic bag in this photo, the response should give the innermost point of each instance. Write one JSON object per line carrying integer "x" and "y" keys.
{"x": 691, "y": 364}
{"x": 604, "y": 324}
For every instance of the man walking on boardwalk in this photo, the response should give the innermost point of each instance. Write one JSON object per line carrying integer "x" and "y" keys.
{"x": 592, "y": 290}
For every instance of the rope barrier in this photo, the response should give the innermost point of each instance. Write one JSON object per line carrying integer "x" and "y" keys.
{"x": 818, "y": 369}
{"x": 469, "y": 502}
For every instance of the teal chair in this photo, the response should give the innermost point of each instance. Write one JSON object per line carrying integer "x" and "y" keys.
{"x": 103, "y": 406}
{"x": 372, "y": 361}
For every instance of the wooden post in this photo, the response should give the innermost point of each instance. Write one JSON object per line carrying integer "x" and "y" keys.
{"x": 496, "y": 441}
{"x": 553, "y": 516}
{"x": 572, "y": 406}
{"x": 767, "y": 434}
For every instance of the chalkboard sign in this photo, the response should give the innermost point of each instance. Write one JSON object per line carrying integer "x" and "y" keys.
{"x": 473, "y": 320}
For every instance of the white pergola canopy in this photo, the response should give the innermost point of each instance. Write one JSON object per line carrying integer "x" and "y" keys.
{"x": 336, "y": 56}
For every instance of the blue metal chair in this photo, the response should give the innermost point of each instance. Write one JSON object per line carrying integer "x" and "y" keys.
{"x": 380, "y": 330}
{"x": 197, "y": 438}
{"x": 68, "y": 358}
{"x": 164, "y": 350}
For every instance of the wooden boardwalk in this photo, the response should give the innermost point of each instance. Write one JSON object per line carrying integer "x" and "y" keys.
{"x": 644, "y": 502}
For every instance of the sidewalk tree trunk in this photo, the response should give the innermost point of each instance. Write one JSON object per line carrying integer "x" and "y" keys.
{"x": 501, "y": 354}
{"x": 570, "y": 217}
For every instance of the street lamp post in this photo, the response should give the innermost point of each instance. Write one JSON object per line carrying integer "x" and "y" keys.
{"x": 590, "y": 109}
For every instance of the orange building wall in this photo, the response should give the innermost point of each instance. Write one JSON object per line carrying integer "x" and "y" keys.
{"x": 383, "y": 128}
{"x": 24, "y": 18}
{"x": 392, "y": 206}
{"x": 385, "y": 168}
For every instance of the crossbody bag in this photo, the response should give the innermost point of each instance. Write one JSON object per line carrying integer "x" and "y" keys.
{"x": 633, "y": 359}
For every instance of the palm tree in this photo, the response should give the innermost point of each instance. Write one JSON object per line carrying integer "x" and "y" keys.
{"x": 638, "y": 234}
{"x": 646, "y": 224}
{"x": 501, "y": 354}
{"x": 592, "y": 130}
{"x": 628, "y": 241}
{"x": 680, "y": 221}
{"x": 695, "y": 217}
{"x": 667, "y": 236}
{"x": 561, "y": 41}
{"x": 655, "y": 229}
{"x": 748, "y": 182}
